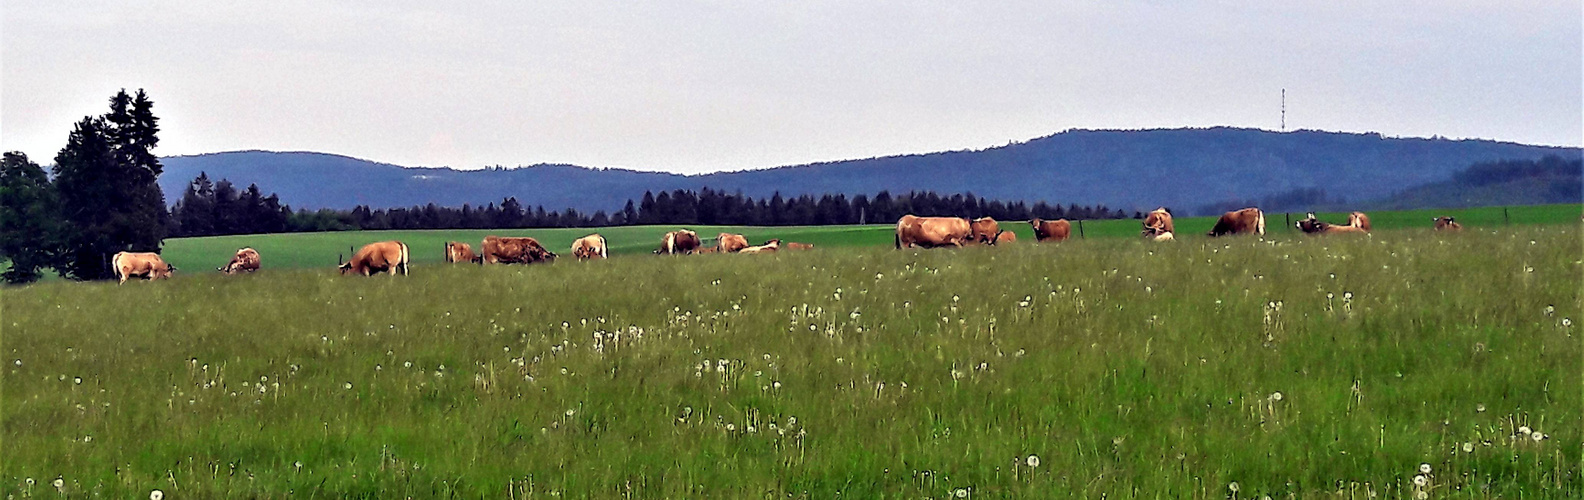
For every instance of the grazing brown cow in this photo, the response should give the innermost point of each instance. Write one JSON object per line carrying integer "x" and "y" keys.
{"x": 793, "y": 245}
{"x": 1447, "y": 223}
{"x": 589, "y": 247}
{"x": 681, "y": 241}
{"x": 1358, "y": 219}
{"x": 704, "y": 250}
{"x": 1164, "y": 236}
{"x": 983, "y": 230}
{"x": 730, "y": 243}
{"x": 146, "y": 265}
{"x": 246, "y": 260}
{"x": 1311, "y": 225}
{"x": 374, "y": 258}
{"x": 456, "y": 251}
{"x": 1157, "y": 223}
{"x": 1004, "y": 236}
{"x": 513, "y": 250}
{"x": 930, "y": 232}
{"x": 1051, "y": 230}
{"x": 1248, "y": 220}
{"x": 768, "y": 247}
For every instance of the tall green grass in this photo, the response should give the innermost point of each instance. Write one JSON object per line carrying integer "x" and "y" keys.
{"x": 1292, "y": 367}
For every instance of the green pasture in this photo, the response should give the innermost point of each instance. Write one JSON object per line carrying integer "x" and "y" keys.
{"x": 310, "y": 250}
{"x": 1287, "y": 367}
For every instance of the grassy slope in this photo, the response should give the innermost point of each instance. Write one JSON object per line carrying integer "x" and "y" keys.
{"x": 321, "y": 249}
{"x": 1134, "y": 369}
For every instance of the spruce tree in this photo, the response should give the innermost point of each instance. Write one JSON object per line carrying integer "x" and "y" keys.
{"x": 107, "y": 180}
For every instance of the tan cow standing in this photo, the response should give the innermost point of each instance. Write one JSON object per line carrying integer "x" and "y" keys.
{"x": 589, "y": 247}
{"x": 246, "y": 260}
{"x": 147, "y": 265}
{"x": 1447, "y": 223}
{"x": 1051, "y": 230}
{"x": 681, "y": 241}
{"x": 730, "y": 243}
{"x": 456, "y": 251}
{"x": 984, "y": 230}
{"x": 379, "y": 257}
{"x": 1245, "y": 221}
{"x": 1158, "y": 225}
{"x": 930, "y": 232}
{"x": 513, "y": 250}
{"x": 793, "y": 245}
{"x": 1005, "y": 236}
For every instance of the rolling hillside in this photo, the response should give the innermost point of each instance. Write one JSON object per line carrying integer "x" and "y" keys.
{"x": 1122, "y": 169}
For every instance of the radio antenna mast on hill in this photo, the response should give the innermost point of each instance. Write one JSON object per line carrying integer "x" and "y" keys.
{"x": 1284, "y": 110}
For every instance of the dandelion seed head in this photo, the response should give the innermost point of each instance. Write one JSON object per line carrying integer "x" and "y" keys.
{"x": 1032, "y": 461}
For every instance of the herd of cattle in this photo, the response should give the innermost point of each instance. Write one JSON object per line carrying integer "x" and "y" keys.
{"x": 393, "y": 257}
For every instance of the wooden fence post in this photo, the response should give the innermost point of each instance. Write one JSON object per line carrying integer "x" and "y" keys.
{"x": 1288, "y": 217}
{"x": 1506, "y": 221}
{"x": 1080, "y": 229}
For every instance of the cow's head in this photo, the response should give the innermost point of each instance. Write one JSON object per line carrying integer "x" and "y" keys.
{"x": 1310, "y": 224}
{"x": 345, "y": 268}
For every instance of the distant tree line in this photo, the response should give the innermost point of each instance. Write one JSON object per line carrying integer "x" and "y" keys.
{"x": 676, "y": 208}
{"x": 101, "y": 199}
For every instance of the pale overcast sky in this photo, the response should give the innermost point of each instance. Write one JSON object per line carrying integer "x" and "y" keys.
{"x": 714, "y": 85}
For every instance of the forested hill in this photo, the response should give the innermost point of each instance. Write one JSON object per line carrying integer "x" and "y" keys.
{"x": 1122, "y": 169}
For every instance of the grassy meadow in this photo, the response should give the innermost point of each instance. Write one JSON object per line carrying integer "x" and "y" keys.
{"x": 321, "y": 250}
{"x": 1403, "y": 363}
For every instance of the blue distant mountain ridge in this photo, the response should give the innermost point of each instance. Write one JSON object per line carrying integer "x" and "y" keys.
{"x": 1127, "y": 169}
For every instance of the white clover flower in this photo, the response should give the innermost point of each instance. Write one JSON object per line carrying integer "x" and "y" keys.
{"x": 1480, "y": 408}
{"x": 1276, "y": 396}
{"x": 1420, "y": 480}
{"x": 1233, "y": 487}
{"x": 58, "y": 483}
{"x": 156, "y": 495}
{"x": 1567, "y": 323}
{"x": 1468, "y": 447}
{"x": 1032, "y": 461}
{"x": 731, "y": 427}
{"x": 961, "y": 493}
{"x": 1421, "y": 495}
{"x": 349, "y": 386}
{"x": 1523, "y": 430}
{"x": 571, "y": 412}
{"x": 1549, "y": 309}
{"x": 1537, "y": 436}
{"x": 1425, "y": 468}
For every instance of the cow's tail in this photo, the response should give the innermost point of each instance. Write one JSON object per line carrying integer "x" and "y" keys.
{"x": 403, "y": 258}
{"x": 899, "y": 240}
{"x": 115, "y": 266}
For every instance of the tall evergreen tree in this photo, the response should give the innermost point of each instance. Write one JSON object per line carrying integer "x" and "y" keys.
{"x": 106, "y": 176}
{"x": 30, "y": 227}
